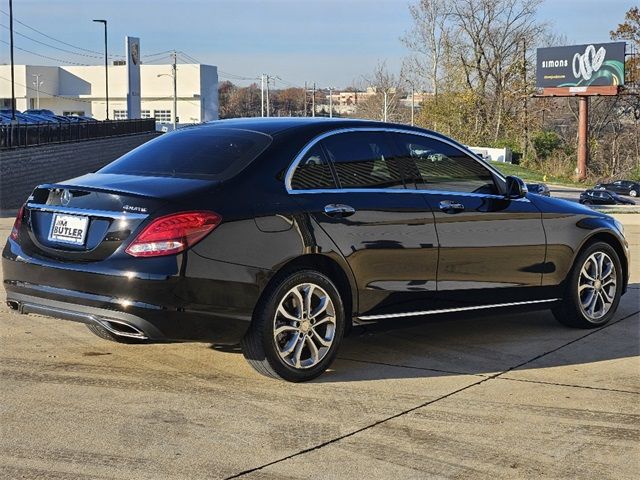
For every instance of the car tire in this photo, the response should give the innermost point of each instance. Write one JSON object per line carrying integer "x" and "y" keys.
{"x": 587, "y": 202}
{"x": 307, "y": 342}
{"x": 633, "y": 193}
{"x": 590, "y": 299}
{"x": 107, "y": 335}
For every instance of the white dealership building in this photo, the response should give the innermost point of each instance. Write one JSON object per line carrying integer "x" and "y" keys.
{"x": 81, "y": 90}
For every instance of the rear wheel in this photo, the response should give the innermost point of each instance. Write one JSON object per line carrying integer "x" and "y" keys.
{"x": 297, "y": 327}
{"x": 633, "y": 193}
{"x": 594, "y": 287}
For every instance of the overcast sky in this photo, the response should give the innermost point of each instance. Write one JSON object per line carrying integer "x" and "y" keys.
{"x": 331, "y": 42}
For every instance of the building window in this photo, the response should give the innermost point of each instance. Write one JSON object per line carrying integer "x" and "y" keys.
{"x": 145, "y": 114}
{"x": 162, "y": 115}
{"x": 119, "y": 114}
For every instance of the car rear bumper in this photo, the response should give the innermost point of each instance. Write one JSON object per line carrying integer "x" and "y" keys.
{"x": 154, "y": 307}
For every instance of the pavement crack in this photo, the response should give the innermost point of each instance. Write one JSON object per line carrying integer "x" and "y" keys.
{"x": 569, "y": 385}
{"x": 396, "y": 365}
{"x": 424, "y": 404}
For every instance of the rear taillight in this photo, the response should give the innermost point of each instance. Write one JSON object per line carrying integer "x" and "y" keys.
{"x": 15, "y": 231}
{"x": 173, "y": 234}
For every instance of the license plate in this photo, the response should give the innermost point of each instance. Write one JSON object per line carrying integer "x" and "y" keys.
{"x": 69, "y": 229}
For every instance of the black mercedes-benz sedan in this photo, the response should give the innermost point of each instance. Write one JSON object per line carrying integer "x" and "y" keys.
{"x": 603, "y": 197}
{"x": 283, "y": 233}
{"x": 622, "y": 187}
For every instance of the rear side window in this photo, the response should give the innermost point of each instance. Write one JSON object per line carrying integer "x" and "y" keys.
{"x": 193, "y": 152}
{"x": 313, "y": 171}
{"x": 363, "y": 160}
{"x": 443, "y": 167}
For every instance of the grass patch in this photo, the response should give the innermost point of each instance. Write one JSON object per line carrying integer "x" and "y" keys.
{"x": 532, "y": 176}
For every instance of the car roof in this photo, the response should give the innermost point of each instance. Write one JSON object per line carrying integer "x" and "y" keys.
{"x": 278, "y": 125}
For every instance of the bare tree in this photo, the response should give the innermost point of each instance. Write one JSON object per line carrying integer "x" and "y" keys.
{"x": 388, "y": 92}
{"x": 428, "y": 38}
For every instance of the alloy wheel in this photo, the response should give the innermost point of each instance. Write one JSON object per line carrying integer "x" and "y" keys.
{"x": 597, "y": 285}
{"x": 304, "y": 326}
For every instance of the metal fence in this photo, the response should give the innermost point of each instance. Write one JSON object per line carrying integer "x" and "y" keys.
{"x": 27, "y": 135}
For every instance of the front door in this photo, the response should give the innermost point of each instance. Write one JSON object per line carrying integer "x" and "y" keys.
{"x": 491, "y": 248}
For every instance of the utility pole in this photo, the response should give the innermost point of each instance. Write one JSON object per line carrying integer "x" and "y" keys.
{"x": 267, "y": 98}
{"x": 174, "y": 76}
{"x": 13, "y": 91}
{"x": 262, "y": 94}
{"x": 37, "y": 84}
{"x": 305, "y": 98}
{"x": 385, "y": 105}
{"x": 174, "y": 70}
{"x": 525, "y": 147}
{"x": 413, "y": 106}
{"x": 330, "y": 102}
{"x": 106, "y": 66}
{"x": 313, "y": 101}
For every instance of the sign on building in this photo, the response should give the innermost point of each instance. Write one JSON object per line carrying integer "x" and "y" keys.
{"x": 132, "y": 45}
{"x": 598, "y": 64}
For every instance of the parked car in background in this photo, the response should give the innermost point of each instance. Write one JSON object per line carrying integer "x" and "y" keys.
{"x": 603, "y": 197}
{"x": 41, "y": 112}
{"x": 539, "y": 189}
{"x": 282, "y": 233}
{"x": 622, "y": 187}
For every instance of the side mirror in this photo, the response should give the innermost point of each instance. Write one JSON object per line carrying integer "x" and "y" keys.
{"x": 516, "y": 188}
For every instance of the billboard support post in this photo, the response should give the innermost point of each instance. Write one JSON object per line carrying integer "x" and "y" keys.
{"x": 583, "y": 137}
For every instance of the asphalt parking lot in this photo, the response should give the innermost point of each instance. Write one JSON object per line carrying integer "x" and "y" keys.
{"x": 500, "y": 396}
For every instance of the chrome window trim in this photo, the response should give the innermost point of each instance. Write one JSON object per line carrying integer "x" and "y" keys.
{"x": 452, "y": 310}
{"x": 315, "y": 140}
{"x": 86, "y": 212}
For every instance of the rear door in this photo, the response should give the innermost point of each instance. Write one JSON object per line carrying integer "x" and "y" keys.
{"x": 354, "y": 189}
{"x": 492, "y": 249}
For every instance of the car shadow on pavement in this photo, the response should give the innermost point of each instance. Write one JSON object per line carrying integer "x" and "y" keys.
{"x": 475, "y": 344}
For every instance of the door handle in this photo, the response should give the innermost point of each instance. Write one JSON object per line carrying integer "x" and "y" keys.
{"x": 451, "y": 206}
{"x": 338, "y": 210}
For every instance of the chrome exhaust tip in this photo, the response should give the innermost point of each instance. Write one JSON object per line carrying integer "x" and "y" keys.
{"x": 121, "y": 329}
{"x": 13, "y": 305}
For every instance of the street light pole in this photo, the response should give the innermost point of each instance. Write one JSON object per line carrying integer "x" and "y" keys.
{"x": 175, "y": 89}
{"x": 106, "y": 66}
{"x": 38, "y": 84}
{"x": 13, "y": 91}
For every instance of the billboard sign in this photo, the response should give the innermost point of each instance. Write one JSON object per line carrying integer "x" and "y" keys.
{"x": 132, "y": 45}
{"x": 598, "y": 64}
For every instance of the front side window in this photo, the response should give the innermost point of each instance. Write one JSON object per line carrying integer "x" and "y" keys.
{"x": 363, "y": 160}
{"x": 313, "y": 172}
{"x": 444, "y": 167}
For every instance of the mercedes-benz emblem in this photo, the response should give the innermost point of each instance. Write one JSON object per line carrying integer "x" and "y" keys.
{"x": 65, "y": 198}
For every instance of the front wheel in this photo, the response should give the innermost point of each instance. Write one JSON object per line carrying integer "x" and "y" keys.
{"x": 297, "y": 327}
{"x": 594, "y": 287}
{"x": 633, "y": 193}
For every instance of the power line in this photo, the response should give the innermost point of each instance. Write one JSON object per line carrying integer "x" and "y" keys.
{"x": 53, "y": 46}
{"x": 55, "y": 39}
{"x": 45, "y": 56}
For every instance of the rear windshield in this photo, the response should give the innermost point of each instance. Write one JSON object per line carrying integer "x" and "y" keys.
{"x": 193, "y": 152}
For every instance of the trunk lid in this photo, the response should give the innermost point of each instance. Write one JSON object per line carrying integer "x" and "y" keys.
{"x": 88, "y": 218}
